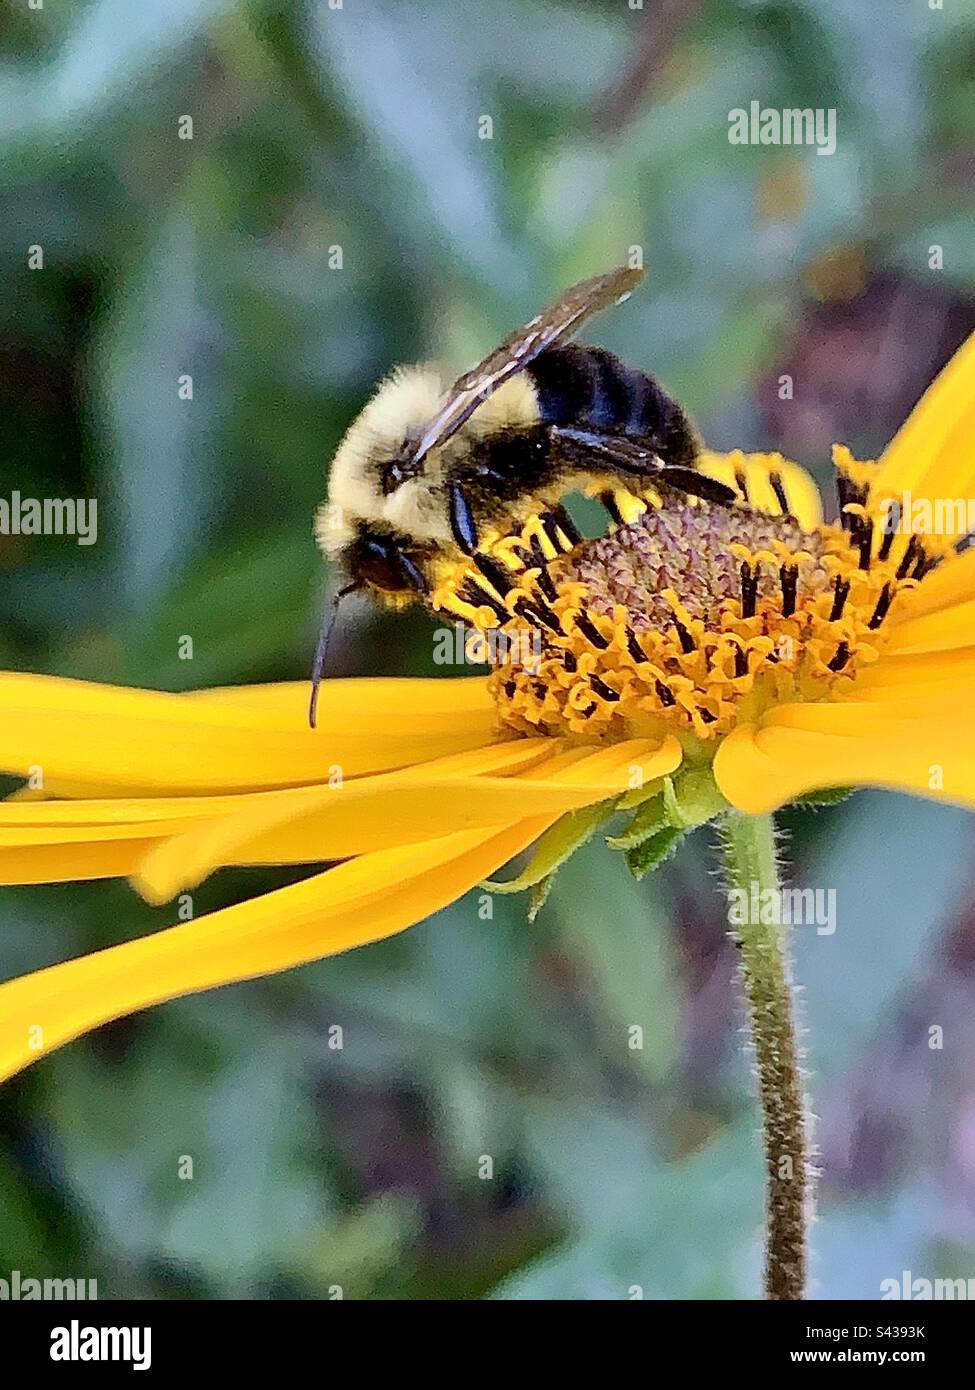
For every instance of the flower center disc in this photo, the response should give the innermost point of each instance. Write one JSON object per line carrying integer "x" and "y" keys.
{"x": 689, "y": 619}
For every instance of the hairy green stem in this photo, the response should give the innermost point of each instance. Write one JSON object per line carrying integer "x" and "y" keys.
{"x": 754, "y": 898}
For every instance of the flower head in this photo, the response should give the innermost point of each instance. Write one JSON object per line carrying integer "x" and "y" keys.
{"x": 697, "y": 657}
{"x": 689, "y": 620}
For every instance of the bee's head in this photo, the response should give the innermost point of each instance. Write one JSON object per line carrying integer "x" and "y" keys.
{"x": 390, "y": 565}
{"x": 380, "y": 561}
{"x": 384, "y": 516}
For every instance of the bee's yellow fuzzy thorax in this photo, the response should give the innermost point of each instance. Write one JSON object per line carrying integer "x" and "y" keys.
{"x": 687, "y": 620}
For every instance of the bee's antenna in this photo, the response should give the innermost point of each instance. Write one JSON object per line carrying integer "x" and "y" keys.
{"x": 321, "y": 650}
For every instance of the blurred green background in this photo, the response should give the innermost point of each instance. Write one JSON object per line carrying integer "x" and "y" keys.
{"x": 358, "y": 127}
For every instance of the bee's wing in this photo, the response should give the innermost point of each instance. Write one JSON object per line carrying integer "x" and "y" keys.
{"x": 551, "y": 326}
{"x": 610, "y": 453}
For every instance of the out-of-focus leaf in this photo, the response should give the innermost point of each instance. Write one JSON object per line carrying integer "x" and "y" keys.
{"x": 257, "y": 1117}
{"x": 113, "y": 48}
{"x": 627, "y": 1210}
{"x": 162, "y": 445}
{"x": 392, "y": 60}
{"x": 617, "y": 931}
{"x": 204, "y": 1166}
{"x": 860, "y": 1244}
{"x": 349, "y": 1257}
{"x": 22, "y": 1233}
{"x": 246, "y": 616}
{"x": 896, "y": 866}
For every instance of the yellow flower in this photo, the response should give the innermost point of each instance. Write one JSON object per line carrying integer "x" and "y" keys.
{"x": 698, "y": 656}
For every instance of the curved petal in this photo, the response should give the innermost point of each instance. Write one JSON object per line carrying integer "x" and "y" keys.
{"x": 407, "y": 701}
{"x": 165, "y": 815}
{"x": 72, "y": 863}
{"x": 931, "y": 456}
{"x": 760, "y": 769}
{"x": 107, "y": 737}
{"x": 334, "y": 822}
{"x": 943, "y": 630}
{"x": 918, "y": 679}
{"x": 953, "y": 582}
{"x": 855, "y": 718}
{"x": 363, "y": 900}
{"x": 64, "y": 841}
{"x": 167, "y": 843}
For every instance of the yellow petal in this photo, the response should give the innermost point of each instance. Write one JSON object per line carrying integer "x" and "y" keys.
{"x": 940, "y": 631}
{"x": 856, "y": 718}
{"x": 91, "y": 736}
{"x": 953, "y": 582}
{"x": 407, "y": 701}
{"x": 802, "y": 494}
{"x": 166, "y": 815}
{"x": 57, "y": 841}
{"x": 932, "y": 455}
{"x": 317, "y": 823}
{"x": 919, "y": 679}
{"x": 759, "y": 769}
{"x": 72, "y": 863}
{"x": 363, "y": 900}
{"x": 60, "y": 841}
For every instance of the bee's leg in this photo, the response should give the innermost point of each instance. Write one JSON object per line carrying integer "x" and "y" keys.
{"x": 557, "y": 519}
{"x": 608, "y": 453}
{"x": 697, "y": 484}
{"x": 412, "y": 572}
{"x": 494, "y": 572}
{"x": 540, "y": 562}
{"x": 608, "y": 500}
{"x": 462, "y": 522}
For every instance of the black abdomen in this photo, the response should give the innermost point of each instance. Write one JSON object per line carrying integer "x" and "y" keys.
{"x": 590, "y": 388}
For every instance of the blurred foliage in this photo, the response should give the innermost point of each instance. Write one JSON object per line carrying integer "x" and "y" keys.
{"x": 357, "y": 127}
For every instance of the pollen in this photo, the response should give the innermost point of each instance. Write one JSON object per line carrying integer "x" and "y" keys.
{"x": 688, "y": 618}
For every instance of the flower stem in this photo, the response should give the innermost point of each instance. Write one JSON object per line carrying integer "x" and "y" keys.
{"x": 752, "y": 872}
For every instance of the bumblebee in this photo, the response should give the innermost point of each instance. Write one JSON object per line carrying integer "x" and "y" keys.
{"x": 430, "y": 472}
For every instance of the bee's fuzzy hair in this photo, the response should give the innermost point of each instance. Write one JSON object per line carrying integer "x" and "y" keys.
{"x": 405, "y": 402}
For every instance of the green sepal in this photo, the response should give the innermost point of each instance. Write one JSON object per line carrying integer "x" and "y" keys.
{"x": 538, "y": 895}
{"x": 639, "y": 796}
{"x": 650, "y": 817}
{"x": 661, "y": 822}
{"x": 652, "y": 852}
{"x": 829, "y": 796}
{"x": 558, "y": 843}
{"x": 695, "y": 798}
{"x": 685, "y": 801}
